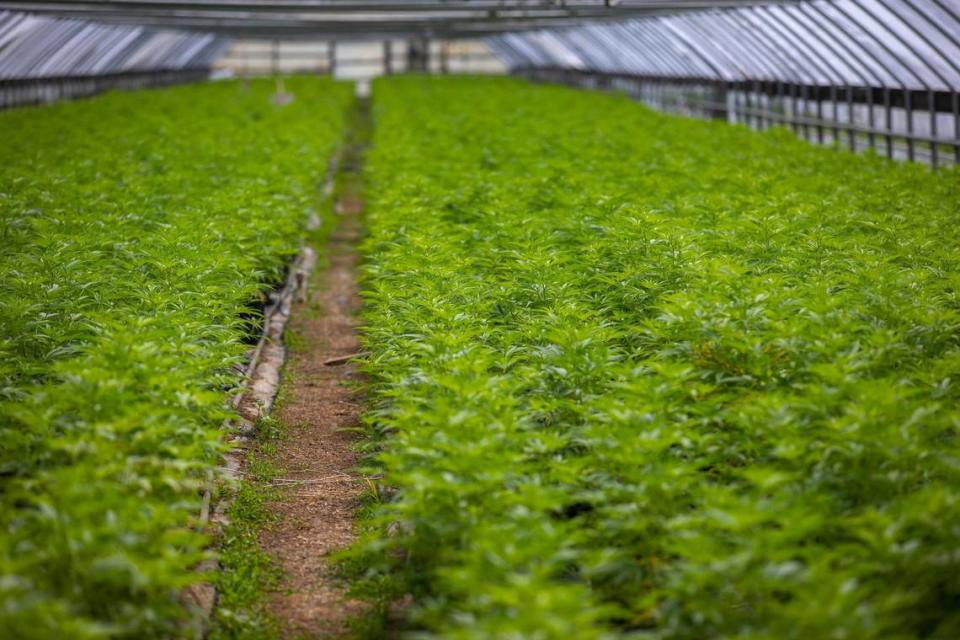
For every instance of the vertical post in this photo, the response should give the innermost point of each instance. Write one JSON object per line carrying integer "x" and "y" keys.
{"x": 872, "y": 139}
{"x": 956, "y": 125}
{"x": 851, "y": 134}
{"x": 833, "y": 99}
{"x": 388, "y": 57}
{"x": 332, "y": 57}
{"x": 444, "y": 57}
{"x": 835, "y": 114}
{"x": 888, "y": 119}
{"x": 766, "y": 121}
{"x": 795, "y": 108}
{"x": 934, "y": 152}
{"x": 720, "y": 101}
{"x": 908, "y": 106}
{"x": 418, "y": 55}
{"x": 781, "y": 102}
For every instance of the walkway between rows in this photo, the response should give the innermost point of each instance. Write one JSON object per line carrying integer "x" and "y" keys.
{"x": 321, "y": 406}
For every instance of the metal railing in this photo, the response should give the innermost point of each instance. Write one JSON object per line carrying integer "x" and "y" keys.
{"x": 33, "y": 91}
{"x": 903, "y": 124}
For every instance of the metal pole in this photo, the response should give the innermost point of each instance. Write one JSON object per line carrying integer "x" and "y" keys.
{"x": 833, "y": 90}
{"x": 934, "y": 152}
{"x": 850, "y": 132}
{"x": 888, "y": 122}
{"x": 835, "y": 110}
{"x": 908, "y": 107}
{"x": 956, "y": 126}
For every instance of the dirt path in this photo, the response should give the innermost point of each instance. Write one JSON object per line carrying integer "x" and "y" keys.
{"x": 322, "y": 491}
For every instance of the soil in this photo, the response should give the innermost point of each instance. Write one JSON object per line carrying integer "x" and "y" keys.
{"x": 321, "y": 489}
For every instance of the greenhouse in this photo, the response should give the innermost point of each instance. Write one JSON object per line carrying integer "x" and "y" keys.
{"x": 469, "y": 319}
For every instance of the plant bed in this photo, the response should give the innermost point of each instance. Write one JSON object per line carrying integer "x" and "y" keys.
{"x": 643, "y": 375}
{"x": 138, "y": 228}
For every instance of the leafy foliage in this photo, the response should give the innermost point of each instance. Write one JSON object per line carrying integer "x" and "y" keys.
{"x": 247, "y": 572}
{"x": 650, "y": 376}
{"x": 139, "y": 232}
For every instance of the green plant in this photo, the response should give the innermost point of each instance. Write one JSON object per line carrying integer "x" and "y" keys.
{"x": 140, "y": 233}
{"x": 247, "y": 571}
{"x": 642, "y": 375}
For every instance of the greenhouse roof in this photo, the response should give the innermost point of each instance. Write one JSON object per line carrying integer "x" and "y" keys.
{"x": 907, "y": 44}
{"x": 904, "y": 44}
{"x": 353, "y": 18}
{"x": 39, "y": 47}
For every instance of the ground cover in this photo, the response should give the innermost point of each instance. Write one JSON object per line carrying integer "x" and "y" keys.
{"x": 140, "y": 232}
{"x": 637, "y": 374}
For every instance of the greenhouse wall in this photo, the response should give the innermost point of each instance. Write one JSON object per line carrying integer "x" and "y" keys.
{"x": 867, "y": 74}
{"x": 920, "y": 126}
{"x": 44, "y": 60}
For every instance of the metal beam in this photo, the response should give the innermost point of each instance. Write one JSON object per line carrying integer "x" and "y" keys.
{"x": 326, "y": 6}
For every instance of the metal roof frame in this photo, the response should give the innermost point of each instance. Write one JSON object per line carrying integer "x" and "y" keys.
{"x": 332, "y": 18}
{"x": 39, "y": 47}
{"x": 903, "y": 44}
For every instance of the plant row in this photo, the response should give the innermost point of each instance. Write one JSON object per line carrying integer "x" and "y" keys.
{"x": 641, "y": 375}
{"x": 140, "y": 234}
